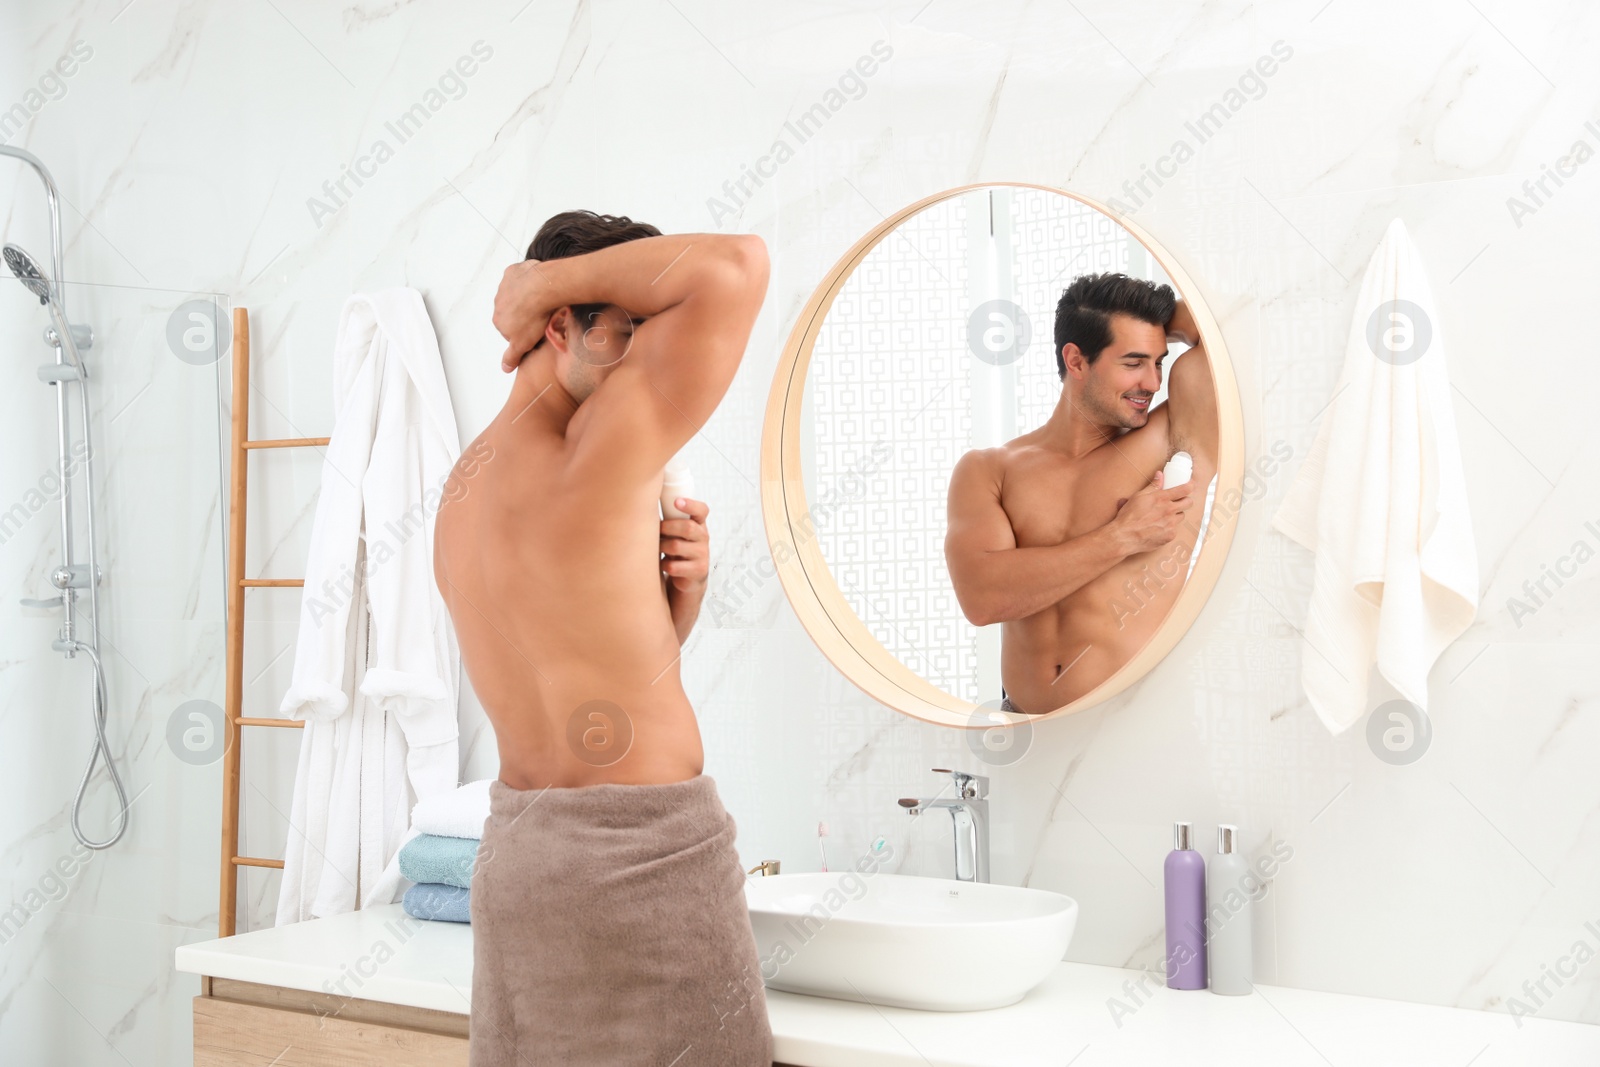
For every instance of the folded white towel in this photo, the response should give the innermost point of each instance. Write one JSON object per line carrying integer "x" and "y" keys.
{"x": 460, "y": 813}
{"x": 1381, "y": 500}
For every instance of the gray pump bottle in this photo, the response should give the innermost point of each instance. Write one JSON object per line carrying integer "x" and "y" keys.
{"x": 1228, "y": 886}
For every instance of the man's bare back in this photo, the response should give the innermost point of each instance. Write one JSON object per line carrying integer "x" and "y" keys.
{"x": 548, "y": 545}
{"x": 1065, "y": 536}
{"x": 555, "y": 589}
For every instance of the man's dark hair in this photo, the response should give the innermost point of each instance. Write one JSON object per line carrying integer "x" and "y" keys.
{"x": 574, "y": 233}
{"x": 1083, "y": 314}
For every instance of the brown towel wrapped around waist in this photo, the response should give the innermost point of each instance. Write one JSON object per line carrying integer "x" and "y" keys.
{"x": 610, "y": 927}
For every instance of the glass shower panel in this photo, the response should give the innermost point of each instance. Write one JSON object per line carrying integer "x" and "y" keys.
{"x": 92, "y": 937}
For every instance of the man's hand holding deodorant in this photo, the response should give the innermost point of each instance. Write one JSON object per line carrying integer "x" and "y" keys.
{"x": 1152, "y": 516}
{"x": 685, "y": 544}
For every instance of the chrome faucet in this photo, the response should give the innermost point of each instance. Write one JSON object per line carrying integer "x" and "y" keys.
{"x": 969, "y": 819}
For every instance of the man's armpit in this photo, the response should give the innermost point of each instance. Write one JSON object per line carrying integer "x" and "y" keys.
{"x": 1200, "y": 393}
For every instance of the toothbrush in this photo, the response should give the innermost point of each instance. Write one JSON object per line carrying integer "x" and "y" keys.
{"x": 822, "y": 831}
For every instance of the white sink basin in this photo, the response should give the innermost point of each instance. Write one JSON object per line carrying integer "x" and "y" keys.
{"x": 929, "y": 943}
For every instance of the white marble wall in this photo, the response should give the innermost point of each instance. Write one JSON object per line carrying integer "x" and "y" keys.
{"x": 187, "y": 147}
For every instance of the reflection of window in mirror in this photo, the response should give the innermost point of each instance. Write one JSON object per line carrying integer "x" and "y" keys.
{"x": 941, "y": 342}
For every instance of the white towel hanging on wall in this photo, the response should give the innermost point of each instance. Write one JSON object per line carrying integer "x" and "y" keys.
{"x": 376, "y": 671}
{"x": 1381, "y": 501}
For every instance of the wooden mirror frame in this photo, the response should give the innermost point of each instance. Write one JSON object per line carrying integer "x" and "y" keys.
{"x": 810, "y": 587}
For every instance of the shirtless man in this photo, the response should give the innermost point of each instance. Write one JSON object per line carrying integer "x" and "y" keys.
{"x": 550, "y": 557}
{"x": 1065, "y": 535}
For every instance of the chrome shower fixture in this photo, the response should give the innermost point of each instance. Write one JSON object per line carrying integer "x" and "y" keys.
{"x": 21, "y": 264}
{"x": 70, "y": 577}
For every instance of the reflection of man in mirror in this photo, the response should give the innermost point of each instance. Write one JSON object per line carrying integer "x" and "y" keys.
{"x": 1065, "y": 535}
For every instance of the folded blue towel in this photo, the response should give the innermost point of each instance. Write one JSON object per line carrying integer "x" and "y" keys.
{"x": 446, "y": 860}
{"x": 442, "y": 903}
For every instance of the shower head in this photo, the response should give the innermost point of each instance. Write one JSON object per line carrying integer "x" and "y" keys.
{"x": 65, "y": 337}
{"x": 27, "y": 272}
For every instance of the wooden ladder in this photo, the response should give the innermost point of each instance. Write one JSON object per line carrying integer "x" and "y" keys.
{"x": 234, "y": 717}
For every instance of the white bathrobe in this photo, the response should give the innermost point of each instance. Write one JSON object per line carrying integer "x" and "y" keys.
{"x": 376, "y": 671}
{"x": 1381, "y": 501}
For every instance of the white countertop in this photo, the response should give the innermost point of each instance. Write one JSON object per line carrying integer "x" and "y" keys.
{"x": 382, "y": 954}
{"x": 377, "y": 953}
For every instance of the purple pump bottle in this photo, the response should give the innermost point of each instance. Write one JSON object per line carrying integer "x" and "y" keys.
{"x": 1185, "y": 879}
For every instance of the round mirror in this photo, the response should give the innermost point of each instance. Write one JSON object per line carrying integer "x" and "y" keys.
{"x": 1001, "y": 458}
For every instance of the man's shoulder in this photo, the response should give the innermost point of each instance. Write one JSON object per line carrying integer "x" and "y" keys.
{"x": 997, "y": 461}
{"x": 1020, "y": 448}
{"x": 974, "y": 460}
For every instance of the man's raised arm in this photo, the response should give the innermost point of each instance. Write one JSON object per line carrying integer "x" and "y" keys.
{"x": 1191, "y": 392}
{"x": 698, "y": 295}
{"x": 995, "y": 581}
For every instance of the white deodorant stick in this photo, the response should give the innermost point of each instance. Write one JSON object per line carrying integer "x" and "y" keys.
{"x": 1177, "y": 471}
{"x": 676, "y": 481}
